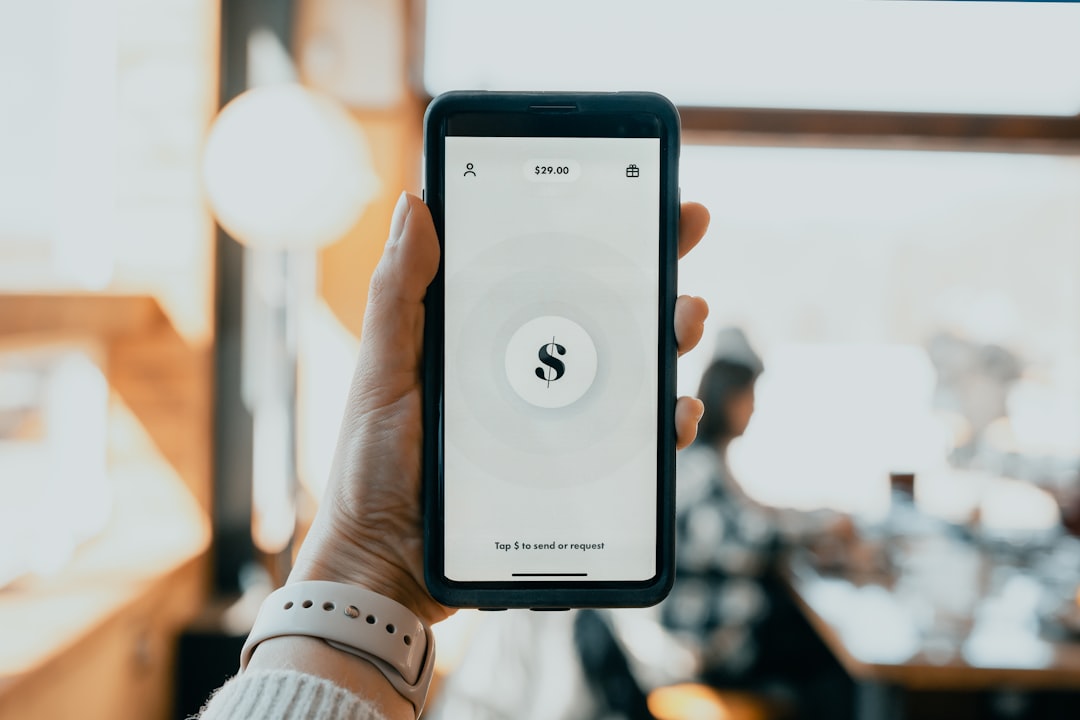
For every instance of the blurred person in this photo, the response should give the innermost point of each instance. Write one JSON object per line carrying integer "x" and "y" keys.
{"x": 727, "y": 603}
{"x": 367, "y": 531}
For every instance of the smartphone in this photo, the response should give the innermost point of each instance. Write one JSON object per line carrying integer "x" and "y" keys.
{"x": 549, "y": 349}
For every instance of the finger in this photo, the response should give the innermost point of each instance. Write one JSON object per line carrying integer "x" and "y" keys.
{"x": 410, "y": 257}
{"x": 690, "y": 314}
{"x": 393, "y": 321}
{"x": 688, "y": 412}
{"x": 693, "y": 222}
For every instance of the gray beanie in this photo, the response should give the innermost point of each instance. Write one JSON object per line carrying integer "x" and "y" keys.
{"x": 732, "y": 346}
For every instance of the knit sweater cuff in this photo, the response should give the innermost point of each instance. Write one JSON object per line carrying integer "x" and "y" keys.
{"x": 285, "y": 695}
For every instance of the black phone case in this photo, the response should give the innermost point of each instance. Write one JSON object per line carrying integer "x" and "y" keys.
{"x": 529, "y": 109}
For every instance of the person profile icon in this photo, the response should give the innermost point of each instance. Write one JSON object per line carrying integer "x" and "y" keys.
{"x": 469, "y": 170}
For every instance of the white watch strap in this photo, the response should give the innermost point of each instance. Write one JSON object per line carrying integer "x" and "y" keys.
{"x": 357, "y": 621}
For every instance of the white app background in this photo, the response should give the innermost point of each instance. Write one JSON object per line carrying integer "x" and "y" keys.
{"x": 551, "y": 358}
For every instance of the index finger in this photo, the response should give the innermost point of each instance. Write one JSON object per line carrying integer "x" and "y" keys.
{"x": 693, "y": 222}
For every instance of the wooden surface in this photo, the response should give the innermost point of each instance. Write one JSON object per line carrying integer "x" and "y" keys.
{"x": 838, "y": 606}
{"x": 97, "y": 640}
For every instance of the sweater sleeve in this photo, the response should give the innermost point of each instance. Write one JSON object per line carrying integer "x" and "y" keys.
{"x": 285, "y": 695}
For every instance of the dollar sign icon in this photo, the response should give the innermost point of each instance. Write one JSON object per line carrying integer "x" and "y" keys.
{"x": 523, "y": 363}
{"x": 553, "y": 363}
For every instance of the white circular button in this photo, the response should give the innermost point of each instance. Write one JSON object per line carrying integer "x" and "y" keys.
{"x": 550, "y": 361}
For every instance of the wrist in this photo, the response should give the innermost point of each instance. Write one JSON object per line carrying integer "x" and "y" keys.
{"x": 365, "y": 562}
{"x": 350, "y": 621}
{"x": 370, "y": 574}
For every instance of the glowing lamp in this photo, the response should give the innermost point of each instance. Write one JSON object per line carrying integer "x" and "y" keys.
{"x": 285, "y": 167}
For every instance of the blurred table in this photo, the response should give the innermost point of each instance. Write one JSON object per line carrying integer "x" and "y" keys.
{"x": 948, "y": 615}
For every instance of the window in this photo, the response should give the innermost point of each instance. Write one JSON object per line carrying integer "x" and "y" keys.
{"x": 987, "y": 58}
{"x": 910, "y": 307}
{"x": 104, "y": 244}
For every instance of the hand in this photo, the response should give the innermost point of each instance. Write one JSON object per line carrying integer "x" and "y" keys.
{"x": 368, "y": 531}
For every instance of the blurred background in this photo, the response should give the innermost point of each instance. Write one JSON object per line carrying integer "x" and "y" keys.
{"x": 883, "y": 524}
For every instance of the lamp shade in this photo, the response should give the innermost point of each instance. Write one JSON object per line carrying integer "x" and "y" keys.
{"x": 286, "y": 168}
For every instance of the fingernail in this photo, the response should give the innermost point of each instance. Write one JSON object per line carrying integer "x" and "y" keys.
{"x": 397, "y": 224}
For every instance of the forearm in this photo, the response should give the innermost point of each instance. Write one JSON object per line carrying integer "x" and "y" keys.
{"x": 286, "y": 694}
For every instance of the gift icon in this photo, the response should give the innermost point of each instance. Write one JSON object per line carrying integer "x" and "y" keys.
{"x": 632, "y": 171}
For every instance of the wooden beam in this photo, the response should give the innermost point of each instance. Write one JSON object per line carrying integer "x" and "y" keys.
{"x": 165, "y": 379}
{"x": 881, "y": 124}
{"x": 101, "y": 315}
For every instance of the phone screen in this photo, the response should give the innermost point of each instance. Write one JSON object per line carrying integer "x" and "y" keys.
{"x": 552, "y": 262}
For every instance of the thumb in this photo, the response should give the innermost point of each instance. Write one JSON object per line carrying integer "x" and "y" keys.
{"x": 392, "y": 336}
{"x": 409, "y": 260}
